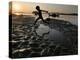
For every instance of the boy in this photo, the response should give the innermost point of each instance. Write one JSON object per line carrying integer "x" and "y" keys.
{"x": 40, "y": 14}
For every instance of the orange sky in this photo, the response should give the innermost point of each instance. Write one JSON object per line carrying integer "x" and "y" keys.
{"x": 28, "y": 7}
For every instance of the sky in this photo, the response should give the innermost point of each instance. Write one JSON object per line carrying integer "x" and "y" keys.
{"x": 29, "y": 7}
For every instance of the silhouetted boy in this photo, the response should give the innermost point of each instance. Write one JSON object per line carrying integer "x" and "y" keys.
{"x": 40, "y": 14}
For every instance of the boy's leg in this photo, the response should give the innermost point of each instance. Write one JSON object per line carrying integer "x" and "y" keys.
{"x": 43, "y": 20}
{"x": 36, "y": 20}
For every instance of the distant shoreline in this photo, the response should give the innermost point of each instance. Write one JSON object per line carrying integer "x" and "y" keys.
{"x": 23, "y": 13}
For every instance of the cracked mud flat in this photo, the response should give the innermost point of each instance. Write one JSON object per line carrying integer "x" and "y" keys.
{"x": 53, "y": 39}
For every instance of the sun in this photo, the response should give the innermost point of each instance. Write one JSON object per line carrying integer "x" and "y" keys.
{"x": 16, "y": 7}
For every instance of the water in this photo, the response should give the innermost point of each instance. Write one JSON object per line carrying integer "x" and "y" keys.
{"x": 42, "y": 35}
{"x": 53, "y": 35}
{"x": 70, "y": 18}
{"x": 42, "y": 29}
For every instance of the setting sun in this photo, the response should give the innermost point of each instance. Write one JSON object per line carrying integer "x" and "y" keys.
{"x": 16, "y": 7}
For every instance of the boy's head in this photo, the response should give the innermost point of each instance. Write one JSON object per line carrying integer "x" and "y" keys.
{"x": 37, "y": 7}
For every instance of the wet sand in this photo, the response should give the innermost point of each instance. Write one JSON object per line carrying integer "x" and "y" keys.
{"x": 56, "y": 38}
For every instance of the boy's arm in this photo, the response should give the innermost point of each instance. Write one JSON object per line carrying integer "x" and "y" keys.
{"x": 44, "y": 11}
{"x": 35, "y": 12}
